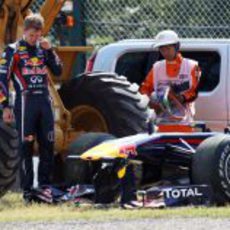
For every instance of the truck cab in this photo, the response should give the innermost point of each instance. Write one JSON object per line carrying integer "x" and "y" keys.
{"x": 133, "y": 58}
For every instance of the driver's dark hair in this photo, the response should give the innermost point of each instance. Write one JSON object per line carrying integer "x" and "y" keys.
{"x": 34, "y": 21}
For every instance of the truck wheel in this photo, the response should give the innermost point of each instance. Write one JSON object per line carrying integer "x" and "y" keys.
{"x": 77, "y": 171}
{"x": 105, "y": 102}
{"x": 9, "y": 157}
{"x": 211, "y": 165}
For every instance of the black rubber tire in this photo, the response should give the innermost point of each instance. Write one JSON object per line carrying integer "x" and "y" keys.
{"x": 1, "y": 3}
{"x": 77, "y": 171}
{"x": 9, "y": 157}
{"x": 124, "y": 109}
{"x": 211, "y": 165}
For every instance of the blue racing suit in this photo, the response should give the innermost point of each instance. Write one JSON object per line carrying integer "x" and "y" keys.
{"x": 27, "y": 67}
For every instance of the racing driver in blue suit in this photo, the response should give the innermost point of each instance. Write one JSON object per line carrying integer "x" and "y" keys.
{"x": 26, "y": 63}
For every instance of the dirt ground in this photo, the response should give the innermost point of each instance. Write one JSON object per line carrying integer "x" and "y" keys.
{"x": 161, "y": 223}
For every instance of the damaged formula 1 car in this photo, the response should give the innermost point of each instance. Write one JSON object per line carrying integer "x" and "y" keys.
{"x": 191, "y": 167}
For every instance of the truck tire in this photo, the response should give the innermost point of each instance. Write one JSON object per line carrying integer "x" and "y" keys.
{"x": 77, "y": 171}
{"x": 211, "y": 166}
{"x": 9, "y": 157}
{"x": 105, "y": 102}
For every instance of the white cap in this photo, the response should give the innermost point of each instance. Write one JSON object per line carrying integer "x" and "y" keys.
{"x": 166, "y": 37}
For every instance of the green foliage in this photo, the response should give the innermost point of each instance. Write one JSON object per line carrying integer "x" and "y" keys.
{"x": 121, "y": 19}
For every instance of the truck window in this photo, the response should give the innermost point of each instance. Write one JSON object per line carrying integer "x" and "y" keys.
{"x": 136, "y": 65}
{"x": 209, "y": 62}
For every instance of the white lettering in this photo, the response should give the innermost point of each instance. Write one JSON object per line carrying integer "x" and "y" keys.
{"x": 167, "y": 192}
{"x": 176, "y": 193}
{"x": 182, "y": 192}
{"x": 34, "y": 71}
{"x": 36, "y": 79}
{"x": 3, "y": 71}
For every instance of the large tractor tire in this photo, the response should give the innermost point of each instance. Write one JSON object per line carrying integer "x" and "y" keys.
{"x": 105, "y": 102}
{"x": 78, "y": 171}
{"x": 211, "y": 166}
{"x": 9, "y": 157}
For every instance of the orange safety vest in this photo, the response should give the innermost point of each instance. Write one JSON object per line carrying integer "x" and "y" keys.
{"x": 182, "y": 72}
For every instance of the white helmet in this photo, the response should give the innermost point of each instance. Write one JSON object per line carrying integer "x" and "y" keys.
{"x": 166, "y": 37}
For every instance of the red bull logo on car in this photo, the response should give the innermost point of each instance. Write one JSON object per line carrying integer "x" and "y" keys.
{"x": 128, "y": 151}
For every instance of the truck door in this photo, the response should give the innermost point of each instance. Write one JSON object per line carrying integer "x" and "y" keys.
{"x": 227, "y": 76}
{"x": 211, "y": 105}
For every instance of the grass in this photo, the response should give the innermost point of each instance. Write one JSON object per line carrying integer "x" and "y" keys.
{"x": 13, "y": 209}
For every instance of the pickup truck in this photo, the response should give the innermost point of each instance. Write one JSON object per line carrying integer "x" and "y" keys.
{"x": 133, "y": 58}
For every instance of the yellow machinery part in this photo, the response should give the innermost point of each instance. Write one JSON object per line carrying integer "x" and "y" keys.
{"x": 49, "y": 11}
{"x": 12, "y": 14}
